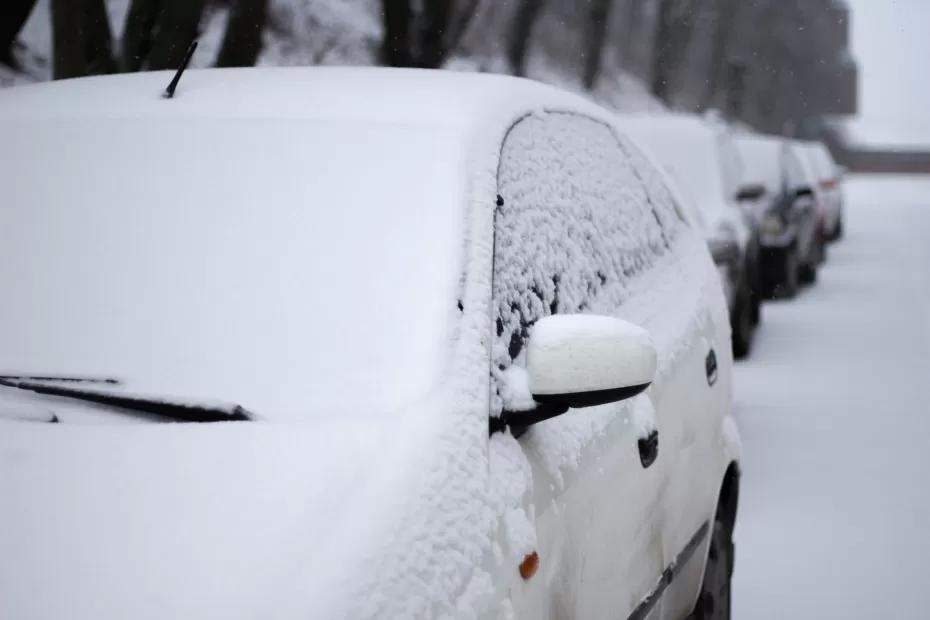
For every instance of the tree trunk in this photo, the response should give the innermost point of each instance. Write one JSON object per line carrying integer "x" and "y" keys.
{"x": 631, "y": 28}
{"x": 599, "y": 15}
{"x": 98, "y": 40}
{"x": 138, "y": 32}
{"x": 242, "y": 41}
{"x": 520, "y": 31}
{"x": 68, "y": 39}
{"x": 13, "y": 14}
{"x": 725, "y": 19}
{"x": 81, "y": 39}
{"x": 178, "y": 26}
{"x": 432, "y": 40}
{"x": 459, "y": 26}
{"x": 673, "y": 30}
{"x": 395, "y": 46}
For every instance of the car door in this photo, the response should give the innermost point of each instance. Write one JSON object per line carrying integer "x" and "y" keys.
{"x": 574, "y": 229}
{"x": 691, "y": 396}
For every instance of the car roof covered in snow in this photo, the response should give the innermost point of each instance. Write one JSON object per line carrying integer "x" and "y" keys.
{"x": 762, "y": 160}
{"x": 415, "y": 96}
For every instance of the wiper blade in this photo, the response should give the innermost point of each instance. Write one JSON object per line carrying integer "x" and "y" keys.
{"x": 180, "y": 412}
{"x": 61, "y": 379}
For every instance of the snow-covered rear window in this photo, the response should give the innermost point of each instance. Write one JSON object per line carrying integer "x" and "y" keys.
{"x": 583, "y": 214}
{"x": 298, "y": 268}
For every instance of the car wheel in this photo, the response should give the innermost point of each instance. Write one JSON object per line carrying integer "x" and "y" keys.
{"x": 742, "y": 324}
{"x": 714, "y": 600}
{"x": 756, "y": 314}
{"x": 820, "y": 251}
{"x": 808, "y": 273}
{"x": 789, "y": 286}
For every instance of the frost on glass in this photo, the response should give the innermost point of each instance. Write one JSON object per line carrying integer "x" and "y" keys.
{"x": 583, "y": 214}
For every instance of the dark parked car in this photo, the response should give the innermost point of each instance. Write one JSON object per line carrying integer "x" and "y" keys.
{"x": 784, "y": 206}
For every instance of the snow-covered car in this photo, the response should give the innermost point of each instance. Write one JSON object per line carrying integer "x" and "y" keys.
{"x": 828, "y": 189}
{"x": 789, "y": 237}
{"x": 454, "y": 348}
{"x": 702, "y": 158}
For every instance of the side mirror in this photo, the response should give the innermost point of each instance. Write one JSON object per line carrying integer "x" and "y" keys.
{"x": 750, "y": 192}
{"x": 802, "y": 192}
{"x": 580, "y": 360}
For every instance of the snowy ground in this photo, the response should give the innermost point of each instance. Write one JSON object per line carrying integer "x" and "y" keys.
{"x": 835, "y": 503}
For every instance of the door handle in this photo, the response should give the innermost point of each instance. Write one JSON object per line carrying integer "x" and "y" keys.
{"x": 649, "y": 449}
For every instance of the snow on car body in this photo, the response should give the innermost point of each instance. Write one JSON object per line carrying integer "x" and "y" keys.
{"x": 326, "y": 248}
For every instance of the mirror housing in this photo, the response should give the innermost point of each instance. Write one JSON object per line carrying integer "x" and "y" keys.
{"x": 580, "y": 360}
{"x": 750, "y": 192}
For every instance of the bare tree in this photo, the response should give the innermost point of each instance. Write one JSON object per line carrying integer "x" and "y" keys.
{"x": 395, "y": 45}
{"x": 242, "y": 41}
{"x": 597, "y": 26}
{"x": 632, "y": 19}
{"x": 81, "y": 38}
{"x": 13, "y": 14}
{"x": 521, "y": 29}
{"x": 157, "y": 33}
{"x": 674, "y": 21}
{"x": 425, "y": 37}
{"x": 725, "y": 20}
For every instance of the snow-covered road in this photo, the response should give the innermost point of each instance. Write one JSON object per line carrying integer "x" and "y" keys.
{"x": 833, "y": 408}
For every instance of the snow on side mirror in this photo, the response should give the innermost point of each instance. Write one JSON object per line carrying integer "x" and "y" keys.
{"x": 576, "y": 360}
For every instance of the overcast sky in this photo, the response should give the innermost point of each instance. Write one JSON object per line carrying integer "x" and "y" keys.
{"x": 891, "y": 42}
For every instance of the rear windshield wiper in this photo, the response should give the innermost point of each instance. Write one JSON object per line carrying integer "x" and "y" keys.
{"x": 180, "y": 412}
{"x": 61, "y": 379}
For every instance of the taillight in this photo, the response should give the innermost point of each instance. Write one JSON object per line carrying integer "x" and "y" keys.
{"x": 828, "y": 183}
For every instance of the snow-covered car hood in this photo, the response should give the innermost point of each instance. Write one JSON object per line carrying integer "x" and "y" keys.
{"x": 233, "y": 520}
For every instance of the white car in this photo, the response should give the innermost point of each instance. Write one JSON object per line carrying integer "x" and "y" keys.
{"x": 828, "y": 188}
{"x": 703, "y": 159}
{"x": 453, "y": 349}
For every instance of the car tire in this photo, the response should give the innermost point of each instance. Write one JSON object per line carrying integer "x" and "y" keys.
{"x": 820, "y": 250}
{"x": 788, "y": 288}
{"x": 741, "y": 321}
{"x": 838, "y": 231}
{"x": 808, "y": 273}
{"x": 756, "y": 305}
{"x": 714, "y": 599}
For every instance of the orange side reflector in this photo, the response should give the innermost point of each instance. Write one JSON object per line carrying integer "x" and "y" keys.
{"x": 529, "y": 565}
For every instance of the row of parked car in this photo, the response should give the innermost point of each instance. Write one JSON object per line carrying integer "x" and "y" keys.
{"x": 371, "y": 343}
{"x": 767, "y": 205}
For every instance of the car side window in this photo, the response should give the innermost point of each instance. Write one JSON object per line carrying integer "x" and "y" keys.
{"x": 582, "y": 215}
